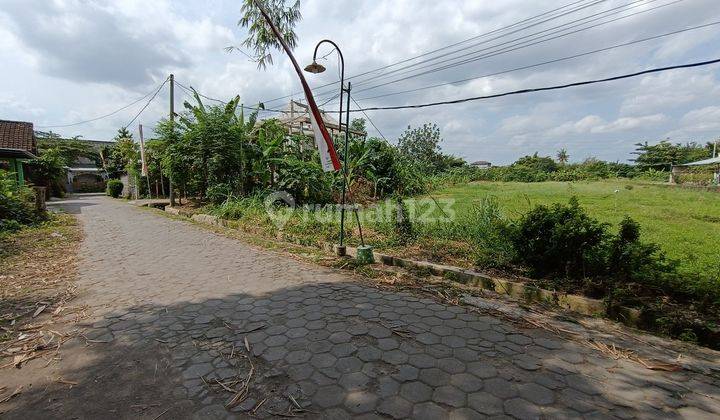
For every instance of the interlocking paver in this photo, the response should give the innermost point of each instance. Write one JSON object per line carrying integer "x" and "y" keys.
{"x": 322, "y": 337}
{"x": 416, "y": 391}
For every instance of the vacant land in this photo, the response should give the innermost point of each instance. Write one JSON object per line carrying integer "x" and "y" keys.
{"x": 684, "y": 222}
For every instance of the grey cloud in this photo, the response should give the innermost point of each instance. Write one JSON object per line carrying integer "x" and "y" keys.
{"x": 85, "y": 43}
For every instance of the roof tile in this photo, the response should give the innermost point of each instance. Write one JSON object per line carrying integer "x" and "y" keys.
{"x": 17, "y": 135}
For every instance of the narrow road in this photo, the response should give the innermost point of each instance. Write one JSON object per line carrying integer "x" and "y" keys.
{"x": 182, "y": 317}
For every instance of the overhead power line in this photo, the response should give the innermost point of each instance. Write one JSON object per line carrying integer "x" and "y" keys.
{"x": 512, "y": 45}
{"x": 369, "y": 119}
{"x": 624, "y": 44}
{"x": 507, "y": 49}
{"x": 190, "y": 90}
{"x": 556, "y": 87}
{"x": 519, "y": 23}
{"x": 102, "y": 116}
{"x": 146, "y": 104}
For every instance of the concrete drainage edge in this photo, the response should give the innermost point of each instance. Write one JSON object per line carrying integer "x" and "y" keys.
{"x": 580, "y": 304}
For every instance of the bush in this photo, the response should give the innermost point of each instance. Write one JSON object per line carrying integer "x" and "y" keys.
{"x": 561, "y": 240}
{"x": 219, "y": 193}
{"x": 237, "y": 208}
{"x": 114, "y": 188}
{"x": 403, "y": 228}
{"x": 16, "y": 204}
{"x": 489, "y": 233}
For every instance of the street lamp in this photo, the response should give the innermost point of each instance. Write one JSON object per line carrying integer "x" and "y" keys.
{"x": 315, "y": 68}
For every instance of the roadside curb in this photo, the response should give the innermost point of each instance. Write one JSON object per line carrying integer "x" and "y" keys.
{"x": 470, "y": 278}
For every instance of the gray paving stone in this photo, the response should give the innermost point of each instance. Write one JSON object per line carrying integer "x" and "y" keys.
{"x": 466, "y": 382}
{"x": 395, "y": 407}
{"x": 322, "y": 338}
{"x": 434, "y": 377}
{"x": 354, "y": 380}
{"x": 197, "y": 370}
{"x": 415, "y": 391}
{"x": 536, "y": 393}
{"x": 485, "y": 403}
{"x": 329, "y": 396}
{"x": 360, "y": 401}
{"x": 429, "y": 411}
{"x": 449, "y": 396}
{"x": 521, "y": 409}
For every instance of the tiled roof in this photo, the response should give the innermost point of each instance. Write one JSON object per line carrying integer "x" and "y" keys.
{"x": 17, "y": 135}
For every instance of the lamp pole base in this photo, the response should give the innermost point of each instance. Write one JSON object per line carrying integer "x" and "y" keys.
{"x": 365, "y": 255}
{"x": 340, "y": 250}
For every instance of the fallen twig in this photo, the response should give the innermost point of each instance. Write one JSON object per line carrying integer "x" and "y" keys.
{"x": 161, "y": 414}
{"x": 15, "y": 393}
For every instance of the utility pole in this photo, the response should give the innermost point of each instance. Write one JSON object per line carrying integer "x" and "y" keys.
{"x": 172, "y": 124}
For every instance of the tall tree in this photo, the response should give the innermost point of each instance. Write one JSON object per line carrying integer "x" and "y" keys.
{"x": 421, "y": 144}
{"x": 123, "y": 133}
{"x": 261, "y": 39}
{"x": 562, "y": 156}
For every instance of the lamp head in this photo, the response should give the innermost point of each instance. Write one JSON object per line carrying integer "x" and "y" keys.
{"x": 315, "y": 67}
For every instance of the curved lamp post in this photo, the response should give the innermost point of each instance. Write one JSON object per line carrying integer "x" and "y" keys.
{"x": 315, "y": 67}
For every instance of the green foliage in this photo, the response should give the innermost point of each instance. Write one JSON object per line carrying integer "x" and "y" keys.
{"x": 237, "y": 208}
{"x": 49, "y": 170}
{"x": 404, "y": 232}
{"x": 663, "y": 155}
{"x": 537, "y": 163}
{"x": 542, "y": 169}
{"x": 561, "y": 240}
{"x": 70, "y": 150}
{"x": 114, "y": 188}
{"x": 260, "y": 38}
{"x": 562, "y": 156}
{"x": 16, "y": 206}
{"x": 486, "y": 229}
{"x": 421, "y": 146}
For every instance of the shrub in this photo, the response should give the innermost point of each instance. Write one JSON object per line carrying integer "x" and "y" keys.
{"x": 489, "y": 232}
{"x": 219, "y": 193}
{"x": 561, "y": 240}
{"x": 16, "y": 207}
{"x": 403, "y": 228}
{"x": 653, "y": 175}
{"x": 114, "y": 188}
{"x": 237, "y": 208}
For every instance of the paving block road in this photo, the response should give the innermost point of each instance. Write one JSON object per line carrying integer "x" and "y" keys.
{"x": 181, "y": 317}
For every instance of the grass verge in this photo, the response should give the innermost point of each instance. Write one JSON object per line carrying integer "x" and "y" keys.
{"x": 38, "y": 266}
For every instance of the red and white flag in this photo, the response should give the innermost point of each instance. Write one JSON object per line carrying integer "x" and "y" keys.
{"x": 328, "y": 156}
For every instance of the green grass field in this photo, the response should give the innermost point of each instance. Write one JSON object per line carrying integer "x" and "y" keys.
{"x": 685, "y": 223}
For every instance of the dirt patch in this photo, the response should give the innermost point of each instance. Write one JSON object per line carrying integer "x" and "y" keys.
{"x": 39, "y": 267}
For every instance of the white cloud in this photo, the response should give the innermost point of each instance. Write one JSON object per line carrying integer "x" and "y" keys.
{"x": 629, "y": 123}
{"x": 70, "y": 60}
{"x": 697, "y": 122}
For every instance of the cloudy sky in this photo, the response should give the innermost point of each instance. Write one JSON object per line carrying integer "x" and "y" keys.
{"x": 66, "y": 61}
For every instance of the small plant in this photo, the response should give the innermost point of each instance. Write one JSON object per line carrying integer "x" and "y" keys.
{"x": 219, "y": 193}
{"x": 16, "y": 207}
{"x": 114, "y": 188}
{"x": 403, "y": 229}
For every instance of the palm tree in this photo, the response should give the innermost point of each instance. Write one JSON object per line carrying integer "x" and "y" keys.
{"x": 562, "y": 156}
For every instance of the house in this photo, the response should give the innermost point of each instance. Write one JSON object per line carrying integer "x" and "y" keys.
{"x": 17, "y": 145}
{"x": 481, "y": 164}
{"x": 86, "y": 174}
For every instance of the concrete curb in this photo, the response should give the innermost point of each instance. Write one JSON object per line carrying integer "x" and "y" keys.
{"x": 470, "y": 278}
